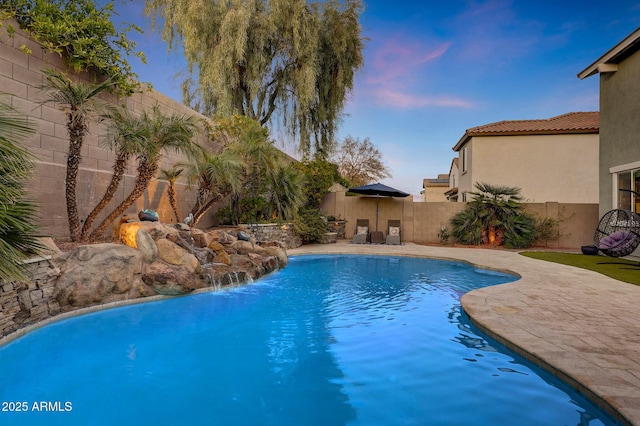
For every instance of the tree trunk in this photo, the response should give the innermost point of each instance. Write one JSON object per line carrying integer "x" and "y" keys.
{"x": 74, "y": 157}
{"x": 119, "y": 168}
{"x": 198, "y": 215}
{"x": 171, "y": 192}
{"x": 146, "y": 172}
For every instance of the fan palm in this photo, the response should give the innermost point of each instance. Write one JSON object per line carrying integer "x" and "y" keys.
{"x": 80, "y": 103}
{"x": 497, "y": 206}
{"x": 494, "y": 216}
{"x": 162, "y": 132}
{"x": 18, "y": 237}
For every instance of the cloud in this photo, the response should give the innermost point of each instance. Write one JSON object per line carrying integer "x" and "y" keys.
{"x": 399, "y": 99}
{"x": 396, "y": 71}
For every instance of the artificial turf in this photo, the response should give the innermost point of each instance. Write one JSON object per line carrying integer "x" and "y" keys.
{"x": 620, "y": 269}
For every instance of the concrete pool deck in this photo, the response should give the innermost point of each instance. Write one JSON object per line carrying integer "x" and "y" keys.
{"x": 582, "y": 326}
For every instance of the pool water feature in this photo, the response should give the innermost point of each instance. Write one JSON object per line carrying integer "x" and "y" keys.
{"x": 330, "y": 340}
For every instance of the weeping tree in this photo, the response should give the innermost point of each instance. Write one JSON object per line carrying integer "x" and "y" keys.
{"x": 288, "y": 62}
{"x": 18, "y": 237}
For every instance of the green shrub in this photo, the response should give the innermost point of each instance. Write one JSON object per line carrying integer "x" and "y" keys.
{"x": 494, "y": 216}
{"x": 309, "y": 225}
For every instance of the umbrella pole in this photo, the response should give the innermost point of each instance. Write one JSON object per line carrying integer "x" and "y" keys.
{"x": 377, "y": 200}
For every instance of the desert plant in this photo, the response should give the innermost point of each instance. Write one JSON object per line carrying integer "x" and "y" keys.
{"x": 444, "y": 235}
{"x": 171, "y": 176}
{"x": 125, "y": 133}
{"x": 216, "y": 177}
{"x": 494, "y": 216}
{"x": 18, "y": 237}
{"x": 162, "y": 132}
{"x": 80, "y": 104}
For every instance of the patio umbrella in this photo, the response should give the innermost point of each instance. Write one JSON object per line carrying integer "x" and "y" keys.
{"x": 379, "y": 190}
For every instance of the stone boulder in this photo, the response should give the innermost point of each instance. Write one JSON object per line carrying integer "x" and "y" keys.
{"x": 221, "y": 236}
{"x": 173, "y": 254}
{"x": 159, "y": 258}
{"x": 100, "y": 273}
{"x": 146, "y": 245}
{"x": 169, "y": 279}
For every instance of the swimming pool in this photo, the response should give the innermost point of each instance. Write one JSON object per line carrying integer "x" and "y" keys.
{"x": 330, "y": 340}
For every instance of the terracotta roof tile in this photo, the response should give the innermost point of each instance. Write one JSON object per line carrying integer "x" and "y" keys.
{"x": 573, "y": 122}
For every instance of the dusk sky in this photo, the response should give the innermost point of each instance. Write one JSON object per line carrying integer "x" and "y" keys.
{"x": 436, "y": 68}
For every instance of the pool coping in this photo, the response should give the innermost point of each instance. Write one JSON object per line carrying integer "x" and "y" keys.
{"x": 579, "y": 325}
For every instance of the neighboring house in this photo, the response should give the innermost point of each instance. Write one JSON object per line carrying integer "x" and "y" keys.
{"x": 454, "y": 178}
{"x": 434, "y": 189}
{"x": 553, "y": 159}
{"x": 619, "y": 71}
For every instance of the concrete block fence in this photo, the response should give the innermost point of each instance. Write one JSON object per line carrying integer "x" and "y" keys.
{"x": 21, "y": 79}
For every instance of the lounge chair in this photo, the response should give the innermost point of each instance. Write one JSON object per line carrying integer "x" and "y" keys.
{"x": 361, "y": 235}
{"x": 618, "y": 233}
{"x": 393, "y": 232}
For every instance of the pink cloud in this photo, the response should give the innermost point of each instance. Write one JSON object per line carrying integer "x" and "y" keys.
{"x": 394, "y": 71}
{"x": 400, "y": 59}
{"x": 396, "y": 99}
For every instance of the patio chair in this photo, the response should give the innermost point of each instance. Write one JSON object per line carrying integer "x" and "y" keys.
{"x": 393, "y": 232}
{"x": 618, "y": 233}
{"x": 362, "y": 232}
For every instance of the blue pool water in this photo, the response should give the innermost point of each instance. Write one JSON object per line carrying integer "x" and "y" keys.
{"x": 330, "y": 340}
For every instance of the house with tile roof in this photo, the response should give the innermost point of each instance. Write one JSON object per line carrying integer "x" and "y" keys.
{"x": 550, "y": 160}
{"x": 619, "y": 71}
{"x": 433, "y": 189}
{"x": 454, "y": 178}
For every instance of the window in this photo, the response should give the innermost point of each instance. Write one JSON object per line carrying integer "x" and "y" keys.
{"x": 626, "y": 182}
{"x": 464, "y": 156}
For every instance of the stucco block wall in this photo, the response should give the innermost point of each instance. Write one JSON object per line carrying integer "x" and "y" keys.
{"x": 559, "y": 168}
{"x": 619, "y": 123}
{"x": 421, "y": 222}
{"x": 21, "y": 79}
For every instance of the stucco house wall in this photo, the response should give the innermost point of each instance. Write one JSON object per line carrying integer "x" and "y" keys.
{"x": 620, "y": 126}
{"x": 545, "y": 167}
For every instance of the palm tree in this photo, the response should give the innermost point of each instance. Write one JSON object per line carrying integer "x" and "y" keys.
{"x": 259, "y": 156}
{"x": 126, "y": 134}
{"x": 498, "y": 205}
{"x": 494, "y": 216}
{"x": 162, "y": 133}
{"x": 18, "y": 237}
{"x": 217, "y": 176}
{"x": 80, "y": 103}
{"x": 285, "y": 193}
{"x": 172, "y": 176}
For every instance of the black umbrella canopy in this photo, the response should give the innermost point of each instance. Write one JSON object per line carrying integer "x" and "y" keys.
{"x": 379, "y": 190}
